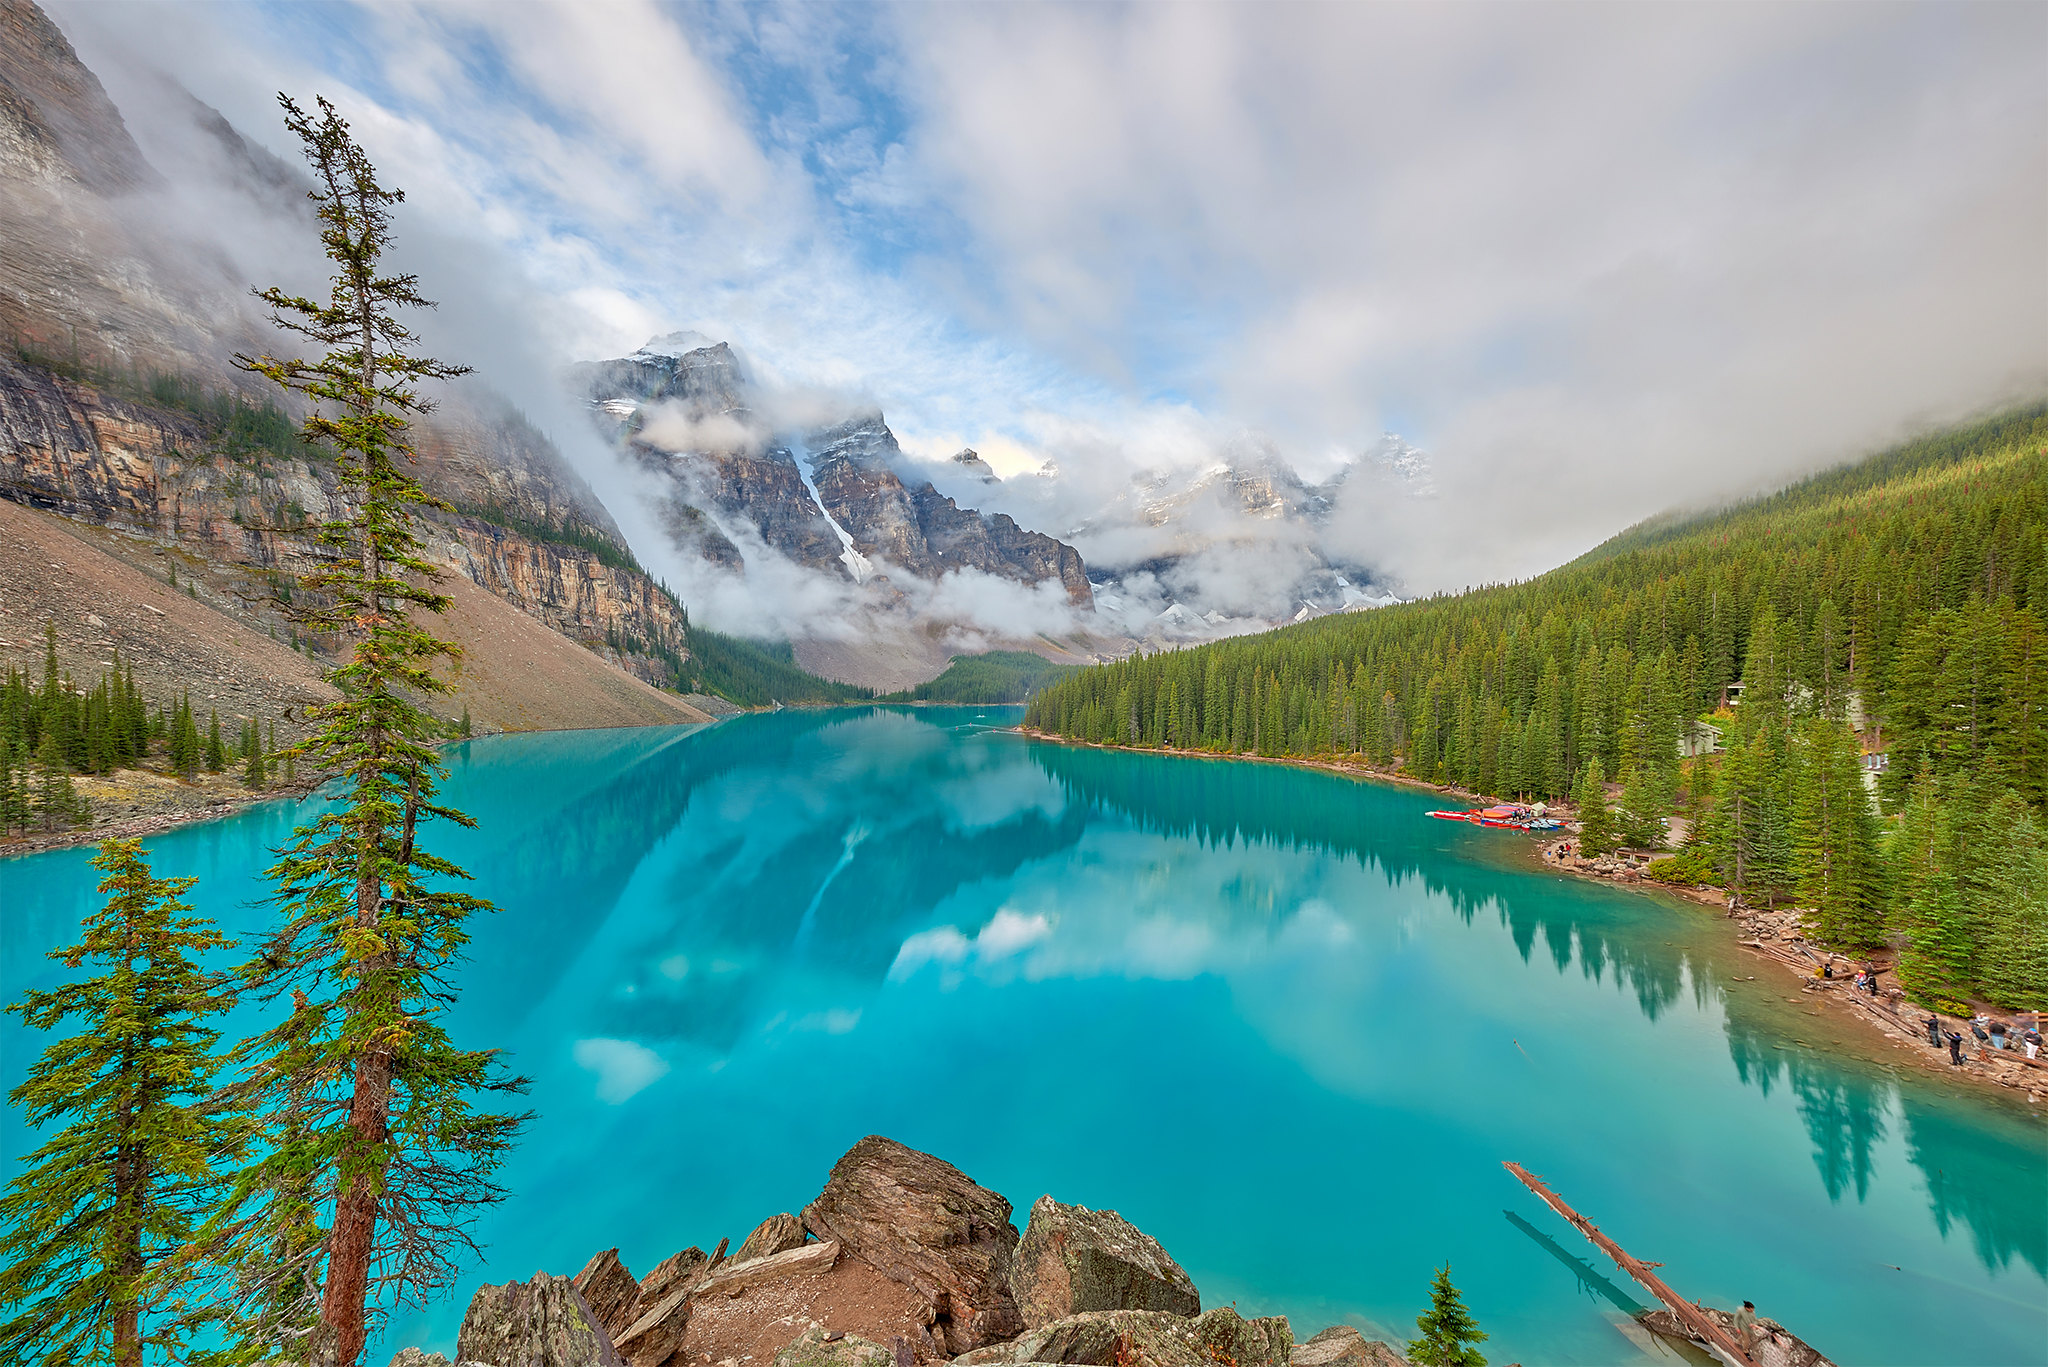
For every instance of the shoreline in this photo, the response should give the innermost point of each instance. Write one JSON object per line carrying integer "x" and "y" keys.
{"x": 204, "y": 801}
{"x": 2008, "y": 1071}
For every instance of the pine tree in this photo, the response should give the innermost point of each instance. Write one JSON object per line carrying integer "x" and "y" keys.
{"x": 216, "y": 753}
{"x": 252, "y": 749}
{"x": 1596, "y": 821}
{"x": 86, "y": 1267}
{"x": 1448, "y": 1330}
{"x": 386, "y": 1139}
{"x": 1834, "y": 836}
{"x": 1934, "y": 966}
{"x": 58, "y": 805}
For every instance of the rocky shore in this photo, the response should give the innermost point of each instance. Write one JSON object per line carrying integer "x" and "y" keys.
{"x": 901, "y": 1261}
{"x": 905, "y": 1261}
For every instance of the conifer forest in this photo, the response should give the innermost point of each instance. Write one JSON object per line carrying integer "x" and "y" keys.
{"x": 1726, "y": 683}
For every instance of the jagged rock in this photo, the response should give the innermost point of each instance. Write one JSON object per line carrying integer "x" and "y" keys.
{"x": 541, "y": 1323}
{"x": 1776, "y": 1346}
{"x": 818, "y": 1348}
{"x": 923, "y": 1222}
{"x": 776, "y": 1234}
{"x": 657, "y": 1333}
{"x": 1343, "y": 1346}
{"x": 1147, "y": 1338}
{"x": 679, "y": 1272}
{"x": 1073, "y": 1259}
{"x": 734, "y": 1277}
{"x": 610, "y": 1290}
{"x": 416, "y": 1357}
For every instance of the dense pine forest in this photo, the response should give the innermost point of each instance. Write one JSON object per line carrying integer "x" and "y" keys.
{"x": 1741, "y": 671}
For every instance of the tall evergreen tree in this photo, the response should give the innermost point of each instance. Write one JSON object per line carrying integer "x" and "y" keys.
{"x": 382, "y": 1104}
{"x": 1448, "y": 1329}
{"x": 1596, "y": 819}
{"x": 87, "y": 1266}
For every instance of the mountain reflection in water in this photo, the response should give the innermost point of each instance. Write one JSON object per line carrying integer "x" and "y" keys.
{"x": 1273, "y": 1015}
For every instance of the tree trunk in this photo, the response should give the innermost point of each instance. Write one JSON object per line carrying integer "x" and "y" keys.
{"x": 128, "y": 1261}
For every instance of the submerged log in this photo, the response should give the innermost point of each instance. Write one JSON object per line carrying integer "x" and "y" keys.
{"x": 1693, "y": 1318}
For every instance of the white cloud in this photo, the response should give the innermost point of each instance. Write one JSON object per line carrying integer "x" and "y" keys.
{"x": 1608, "y": 259}
{"x": 624, "y": 1069}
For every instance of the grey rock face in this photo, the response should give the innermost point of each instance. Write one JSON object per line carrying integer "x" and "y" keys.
{"x": 923, "y": 1222}
{"x": 776, "y": 1234}
{"x": 1073, "y": 1259}
{"x": 817, "y": 1348}
{"x": 1147, "y": 1338}
{"x": 541, "y": 1323}
{"x": 1343, "y": 1346}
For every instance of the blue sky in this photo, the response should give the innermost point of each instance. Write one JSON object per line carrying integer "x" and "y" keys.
{"x": 1655, "y": 254}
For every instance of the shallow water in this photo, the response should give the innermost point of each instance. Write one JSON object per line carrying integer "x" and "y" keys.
{"x": 1275, "y": 1017}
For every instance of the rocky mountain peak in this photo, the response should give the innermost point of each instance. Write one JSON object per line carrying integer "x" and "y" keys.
{"x": 970, "y": 460}
{"x": 56, "y": 122}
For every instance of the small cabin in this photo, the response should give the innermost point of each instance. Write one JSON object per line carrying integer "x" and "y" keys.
{"x": 1699, "y": 738}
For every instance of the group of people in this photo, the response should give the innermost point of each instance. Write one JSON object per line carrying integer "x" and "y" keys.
{"x": 1995, "y": 1034}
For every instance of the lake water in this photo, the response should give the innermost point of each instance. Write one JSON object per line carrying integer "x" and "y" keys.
{"x": 1276, "y": 1017}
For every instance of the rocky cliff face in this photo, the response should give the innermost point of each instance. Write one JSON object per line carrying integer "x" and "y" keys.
{"x": 690, "y": 415}
{"x": 170, "y": 477}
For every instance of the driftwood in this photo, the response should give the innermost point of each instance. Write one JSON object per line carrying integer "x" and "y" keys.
{"x": 1691, "y": 1316}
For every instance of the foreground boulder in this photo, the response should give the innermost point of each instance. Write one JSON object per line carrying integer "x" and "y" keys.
{"x": 818, "y": 1348}
{"x": 1344, "y": 1346}
{"x": 776, "y": 1234}
{"x": 541, "y": 1323}
{"x": 1074, "y": 1260}
{"x": 1147, "y": 1338}
{"x": 656, "y": 1333}
{"x": 609, "y": 1290}
{"x": 737, "y": 1277}
{"x": 923, "y": 1222}
{"x": 417, "y": 1357}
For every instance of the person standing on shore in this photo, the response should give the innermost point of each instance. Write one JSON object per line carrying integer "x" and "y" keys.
{"x": 1745, "y": 1327}
{"x": 1955, "y": 1048}
{"x": 1934, "y": 1031}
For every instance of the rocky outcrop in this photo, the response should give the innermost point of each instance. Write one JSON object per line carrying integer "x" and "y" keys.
{"x": 656, "y": 1334}
{"x": 678, "y": 1272}
{"x": 923, "y": 1222}
{"x": 822, "y": 1348}
{"x": 1073, "y": 1259}
{"x": 609, "y": 1290}
{"x": 541, "y": 1323}
{"x": 736, "y": 1278}
{"x": 416, "y": 1357}
{"x": 1343, "y": 1346}
{"x": 1147, "y": 1338}
{"x": 776, "y": 1234}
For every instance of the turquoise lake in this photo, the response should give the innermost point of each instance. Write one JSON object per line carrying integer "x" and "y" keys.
{"x": 1276, "y": 1017}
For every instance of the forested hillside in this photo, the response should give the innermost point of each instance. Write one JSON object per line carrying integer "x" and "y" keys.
{"x": 1897, "y": 606}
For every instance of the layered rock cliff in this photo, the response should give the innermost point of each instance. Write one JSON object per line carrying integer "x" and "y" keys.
{"x": 174, "y": 476}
